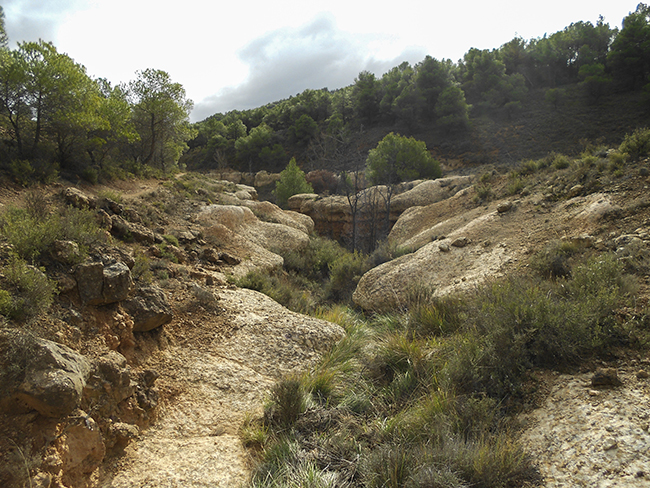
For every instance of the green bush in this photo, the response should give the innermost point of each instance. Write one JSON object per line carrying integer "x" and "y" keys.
{"x": 559, "y": 161}
{"x": 637, "y": 144}
{"x": 553, "y": 260}
{"x": 345, "y": 273}
{"x": 31, "y": 234}
{"x": 30, "y": 291}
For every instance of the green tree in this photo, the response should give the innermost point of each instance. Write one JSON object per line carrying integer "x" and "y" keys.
{"x": 397, "y": 158}
{"x": 115, "y": 131}
{"x": 4, "y": 39}
{"x": 432, "y": 77}
{"x": 292, "y": 182}
{"x": 49, "y": 103}
{"x": 452, "y": 110}
{"x": 365, "y": 96}
{"x": 595, "y": 80}
{"x": 629, "y": 56}
{"x": 160, "y": 114}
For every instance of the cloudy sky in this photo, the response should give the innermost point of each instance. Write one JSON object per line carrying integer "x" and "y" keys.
{"x": 234, "y": 54}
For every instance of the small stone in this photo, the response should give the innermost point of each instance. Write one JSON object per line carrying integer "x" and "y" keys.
{"x": 642, "y": 374}
{"x": 606, "y": 377}
{"x": 610, "y": 444}
{"x": 504, "y": 207}
{"x": 443, "y": 246}
{"x": 593, "y": 393}
{"x": 460, "y": 242}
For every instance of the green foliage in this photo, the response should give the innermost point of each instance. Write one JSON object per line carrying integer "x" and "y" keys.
{"x": 559, "y": 161}
{"x": 161, "y": 118}
{"x": 421, "y": 397}
{"x": 452, "y": 110}
{"x": 292, "y": 182}
{"x": 30, "y": 291}
{"x": 287, "y": 402}
{"x": 630, "y": 49}
{"x": 32, "y": 234}
{"x": 553, "y": 260}
{"x": 637, "y": 144}
{"x": 397, "y": 158}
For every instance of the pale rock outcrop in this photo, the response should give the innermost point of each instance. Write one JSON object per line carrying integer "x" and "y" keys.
{"x": 252, "y": 256}
{"x": 429, "y": 191}
{"x": 269, "y": 212}
{"x": 264, "y": 178}
{"x": 418, "y": 226}
{"x": 295, "y": 202}
{"x": 237, "y": 231}
{"x": 387, "y": 286}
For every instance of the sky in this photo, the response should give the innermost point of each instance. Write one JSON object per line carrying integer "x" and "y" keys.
{"x": 236, "y": 55}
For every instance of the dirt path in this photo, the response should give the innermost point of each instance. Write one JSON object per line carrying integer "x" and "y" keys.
{"x": 223, "y": 365}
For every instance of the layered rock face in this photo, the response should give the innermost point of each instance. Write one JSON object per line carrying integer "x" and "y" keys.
{"x": 363, "y": 216}
{"x": 455, "y": 244}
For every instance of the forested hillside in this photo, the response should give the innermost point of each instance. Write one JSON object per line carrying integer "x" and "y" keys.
{"x": 523, "y": 99}
{"x": 518, "y": 100}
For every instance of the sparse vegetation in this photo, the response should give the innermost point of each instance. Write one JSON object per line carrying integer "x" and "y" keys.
{"x": 421, "y": 397}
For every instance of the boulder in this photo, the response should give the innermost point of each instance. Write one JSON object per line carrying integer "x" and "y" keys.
{"x": 77, "y": 198}
{"x": 296, "y": 202}
{"x": 82, "y": 447}
{"x": 90, "y": 282}
{"x": 253, "y": 234}
{"x": 109, "y": 384}
{"x": 237, "y": 249}
{"x": 99, "y": 285}
{"x": 149, "y": 309}
{"x": 117, "y": 283}
{"x": 40, "y": 375}
{"x": 65, "y": 251}
{"x": 387, "y": 286}
{"x": 264, "y": 178}
{"x": 269, "y": 212}
{"x": 128, "y": 231}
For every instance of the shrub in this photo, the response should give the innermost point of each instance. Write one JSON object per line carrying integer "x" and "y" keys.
{"x": 345, "y": 273}
{"x": 559, "y": 161}
{"x": 32, "y": 232}
{"x": 483, "y": 192}
{"x": 553, "y": 260}
{"x": 528, "y": 167}
{"x": 31, "y": 292}
{"x": 637, "y": 144}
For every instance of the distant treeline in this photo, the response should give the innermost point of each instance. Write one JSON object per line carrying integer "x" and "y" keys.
{"x": 312, "y": 126}
{"x": 55, "y": 119}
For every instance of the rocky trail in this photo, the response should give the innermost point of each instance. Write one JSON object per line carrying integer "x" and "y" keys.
{"x": 216, "y": 361}
{"x": 217, "y": 380}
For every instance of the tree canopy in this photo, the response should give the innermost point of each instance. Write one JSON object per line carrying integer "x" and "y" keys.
{"x": 397, "y": 158}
